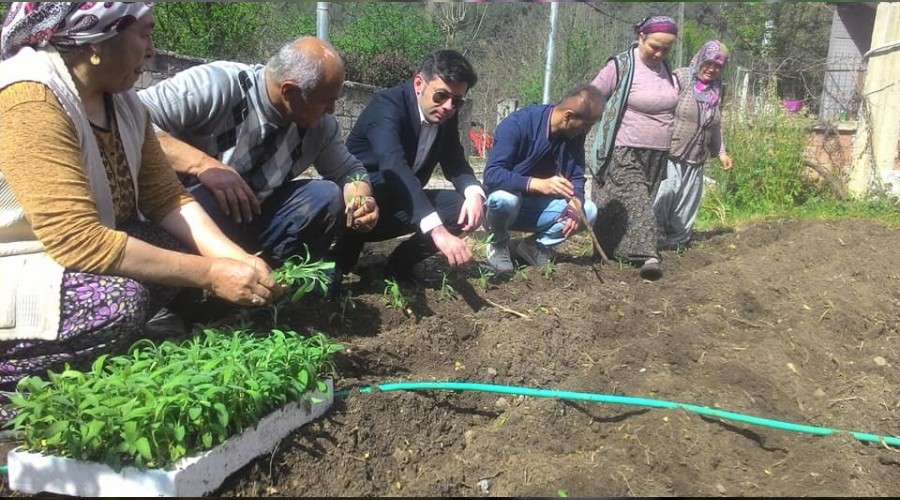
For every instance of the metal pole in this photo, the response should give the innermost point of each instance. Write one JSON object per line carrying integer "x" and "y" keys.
{"x": 548, "y": 68}
{"x": 679, "y": 57}
{"x": 322, "y": 20}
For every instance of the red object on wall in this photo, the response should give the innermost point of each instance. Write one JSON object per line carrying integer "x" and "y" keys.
{"x": 481, "y": 141}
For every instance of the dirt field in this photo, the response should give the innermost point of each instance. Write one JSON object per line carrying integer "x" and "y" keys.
{"x": 793, "y": 321}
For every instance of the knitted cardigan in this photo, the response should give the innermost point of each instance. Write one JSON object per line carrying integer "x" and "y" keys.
{"x": 31, "y": 280}
{"x": 693, "y": 138}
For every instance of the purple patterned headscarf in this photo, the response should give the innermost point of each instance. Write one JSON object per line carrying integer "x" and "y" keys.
{"x": 708, "y": 92}
{"x": 656, "y": 24}
{"x": 34, "y": 24}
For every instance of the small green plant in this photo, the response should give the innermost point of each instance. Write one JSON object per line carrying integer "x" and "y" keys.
{"x": 302, "y": 275}
{"x": 484, "y": 277}
{"x": 354, "y": 201}
{"x": 394, "y": 298}
{"x": 447, "y": 291}
{"x": 585, "y": 250}
{"x": 483, "y": 245}
{"x": 522, "y": 272}
{"x": 562, "y": 493}
{"x": 161, "y": 402}
{"x": 549, "y": 269}
{"x": 347, "y": 301}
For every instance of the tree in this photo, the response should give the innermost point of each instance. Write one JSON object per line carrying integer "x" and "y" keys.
{"x": 783, "y": 44}
{"x": 383, "y": 43}
{"x": 243, "y": 31}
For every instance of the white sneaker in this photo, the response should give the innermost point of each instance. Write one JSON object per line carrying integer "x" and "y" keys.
{"x": 498, "y": 258}
{"x": 534, "y": 253}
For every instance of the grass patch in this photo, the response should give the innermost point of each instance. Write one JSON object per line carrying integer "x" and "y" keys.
{"x": 770, "y": 178}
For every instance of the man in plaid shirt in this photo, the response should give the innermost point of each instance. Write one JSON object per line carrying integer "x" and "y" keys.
{"x": 240, "y": 135}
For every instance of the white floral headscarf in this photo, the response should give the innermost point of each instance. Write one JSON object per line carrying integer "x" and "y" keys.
{"x": 69, "y": 24}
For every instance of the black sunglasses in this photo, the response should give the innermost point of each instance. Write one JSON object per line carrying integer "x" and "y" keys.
{"x": 441, "y": 96}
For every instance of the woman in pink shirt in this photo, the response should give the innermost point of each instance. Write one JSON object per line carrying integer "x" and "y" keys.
{"x": 631, "y": 146}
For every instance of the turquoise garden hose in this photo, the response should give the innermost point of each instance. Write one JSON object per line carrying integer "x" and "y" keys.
{"x": 622, "y": 400}
{"x": 606, "y": 398}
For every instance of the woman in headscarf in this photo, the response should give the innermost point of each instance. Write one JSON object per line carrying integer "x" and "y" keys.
{"x": 697, "y": 134}
{"x": 631, "y": 145}
{"x": 91, "y": 215}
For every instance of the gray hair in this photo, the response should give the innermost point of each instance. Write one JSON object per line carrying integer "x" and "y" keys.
{"x": 299, "y": 66}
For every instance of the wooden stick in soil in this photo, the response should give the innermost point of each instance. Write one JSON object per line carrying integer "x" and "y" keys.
{"x": 590, "y": 231}
{"x": 506, "y": 309}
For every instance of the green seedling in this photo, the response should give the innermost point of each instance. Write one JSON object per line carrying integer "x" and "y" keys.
{"x": 394, "y": 298}
{"x": 522, "y": 272}
{"x": 447, "y": 291}
{"x": 354, "y": 201}
{"x": 161, "y": 402}
{"x": 484, "y": 277}
{"x": 549, "y": 269}
{"x": 482, "y": 245}
{"x": 302, "y": 275}
{"x": 585, "y": 250}
{"x": 347, "y": 301}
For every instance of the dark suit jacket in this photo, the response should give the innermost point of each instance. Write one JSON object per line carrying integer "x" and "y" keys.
{"x": 385, "y": 139}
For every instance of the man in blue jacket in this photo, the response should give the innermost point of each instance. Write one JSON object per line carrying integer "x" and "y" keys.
{"x": 535, "y": 178}
{"x": 400, "y": 137}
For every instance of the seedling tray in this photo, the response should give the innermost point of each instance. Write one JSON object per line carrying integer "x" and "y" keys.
{"x": 189, "y": 477}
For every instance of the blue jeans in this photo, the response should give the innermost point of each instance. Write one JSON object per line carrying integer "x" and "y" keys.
{"x": 533, "y": 214}
{"x": 300, "y": 212}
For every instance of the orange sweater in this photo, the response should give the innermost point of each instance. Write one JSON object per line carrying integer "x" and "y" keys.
{"x": 42, "y": 162}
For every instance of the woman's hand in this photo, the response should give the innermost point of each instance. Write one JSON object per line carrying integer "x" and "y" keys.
{"x": 244, "y": 283}
{"x": 725, "y": 161}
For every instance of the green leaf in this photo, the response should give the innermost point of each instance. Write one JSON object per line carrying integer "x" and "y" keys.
{"x": 222, "y": 413}
{"x": 207, "y": 439}
{"x": 143, "y": 447}
{"x": 93, "y": 430}
{"x": 131, "y": 432}
{"x": 97, "y": 365}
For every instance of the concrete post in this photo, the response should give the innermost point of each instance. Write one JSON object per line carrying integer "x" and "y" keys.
{"x": 878, "y": 129}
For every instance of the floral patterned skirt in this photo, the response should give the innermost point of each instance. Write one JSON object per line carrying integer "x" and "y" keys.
{"x": 626, "y": 222}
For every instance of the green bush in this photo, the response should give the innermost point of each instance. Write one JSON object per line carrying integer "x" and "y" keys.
{"x": 767, "y": 149}
{"x": 770, "y": 177}
{"x": 384, "y": 43}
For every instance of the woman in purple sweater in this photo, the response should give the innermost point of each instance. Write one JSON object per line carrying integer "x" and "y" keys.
{"x": 631, "y": 145}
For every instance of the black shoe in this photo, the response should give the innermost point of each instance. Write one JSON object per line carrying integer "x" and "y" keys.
{"x": 393, "y": 269}
{"x": 650, "y": 270}
{"x": 409, "y": 273}
{"x": 165, "y": 324}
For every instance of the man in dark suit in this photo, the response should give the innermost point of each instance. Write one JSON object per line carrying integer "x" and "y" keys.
{"x": 400, "y": 137}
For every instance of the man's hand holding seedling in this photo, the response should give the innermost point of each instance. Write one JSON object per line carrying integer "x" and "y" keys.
{"x": 361, "y": 209}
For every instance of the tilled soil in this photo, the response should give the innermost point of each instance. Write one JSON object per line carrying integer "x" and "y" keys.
{"x": 785, "y": 320}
